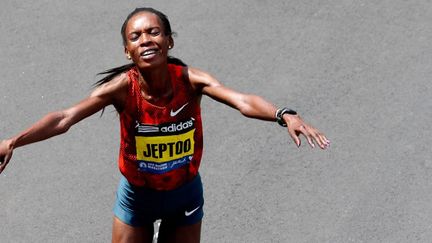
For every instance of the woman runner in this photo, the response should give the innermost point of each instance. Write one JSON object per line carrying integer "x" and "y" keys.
{"x": 158, "y": 101}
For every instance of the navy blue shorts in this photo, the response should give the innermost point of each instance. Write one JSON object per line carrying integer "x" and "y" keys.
{"x": 139, "y": 206}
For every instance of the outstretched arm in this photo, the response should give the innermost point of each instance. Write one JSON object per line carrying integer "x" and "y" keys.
{"x": 255, "y": 107}
{"x": 59, "y": 122}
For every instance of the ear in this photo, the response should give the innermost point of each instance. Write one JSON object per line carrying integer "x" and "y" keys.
{"x": 170, "y": 42}
{"x": 127, "y": 53}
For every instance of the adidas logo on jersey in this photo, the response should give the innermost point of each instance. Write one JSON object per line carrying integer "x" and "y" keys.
{"x": 177, "y": 127}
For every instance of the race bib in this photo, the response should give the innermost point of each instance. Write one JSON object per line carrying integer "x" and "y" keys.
{"x": 165, "y": 147}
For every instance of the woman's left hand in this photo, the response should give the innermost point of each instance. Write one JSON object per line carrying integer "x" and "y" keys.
{"x": 297, "y": 126}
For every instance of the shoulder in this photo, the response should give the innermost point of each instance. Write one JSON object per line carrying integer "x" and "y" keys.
{"x": 114, "y": 92}
{"x": 200, "y": 79}
{"x": 117, "y": 84}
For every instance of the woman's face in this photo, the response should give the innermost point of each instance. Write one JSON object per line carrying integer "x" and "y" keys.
{"x": 146, "y": 43}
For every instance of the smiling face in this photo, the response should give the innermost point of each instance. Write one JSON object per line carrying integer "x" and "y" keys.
{"x": 146, "y": 42}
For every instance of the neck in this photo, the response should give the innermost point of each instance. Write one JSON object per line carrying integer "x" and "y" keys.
{"x": 156, "y": 84}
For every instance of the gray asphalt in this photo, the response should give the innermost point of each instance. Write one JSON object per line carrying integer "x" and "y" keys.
{"x": 358, "y": 70}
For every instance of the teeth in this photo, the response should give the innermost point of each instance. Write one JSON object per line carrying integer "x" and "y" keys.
{"x": 148, "y": 52}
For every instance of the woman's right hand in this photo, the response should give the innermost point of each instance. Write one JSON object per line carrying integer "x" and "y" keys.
{"x": 6, "y": 151}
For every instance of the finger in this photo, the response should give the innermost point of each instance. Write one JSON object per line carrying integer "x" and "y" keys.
{"x": 310, "y": 140}
{"x": 324, "y": 142}
{"x": 2, "y": 166}
{"x": 307, "y": 135}
{"x": 321, "y": 142}
{"x": 4, "y": 161}
{"x": 294, "y": 137}
{"x": 317, "y": 137}
{"x": 7, "y": 158}
{"x": 326, "y": 139}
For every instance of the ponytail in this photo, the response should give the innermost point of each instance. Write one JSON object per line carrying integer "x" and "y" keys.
{"x": 113, "y": 72}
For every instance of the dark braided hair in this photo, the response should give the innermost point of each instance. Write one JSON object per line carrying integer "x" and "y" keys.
{"x": 113, "y": 72}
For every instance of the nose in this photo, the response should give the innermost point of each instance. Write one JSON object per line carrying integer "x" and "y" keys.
{"x": 145, "y": 39}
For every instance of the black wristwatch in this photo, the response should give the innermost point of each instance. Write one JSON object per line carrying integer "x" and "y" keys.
{"x": 281, "y": 112}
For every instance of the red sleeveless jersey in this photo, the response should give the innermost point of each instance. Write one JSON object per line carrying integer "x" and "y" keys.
{"x": 161, "y": 147}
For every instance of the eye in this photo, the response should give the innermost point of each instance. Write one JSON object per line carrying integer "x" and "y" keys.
{"x": 154, "y": 31}
{"x": 133, "y": 36}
